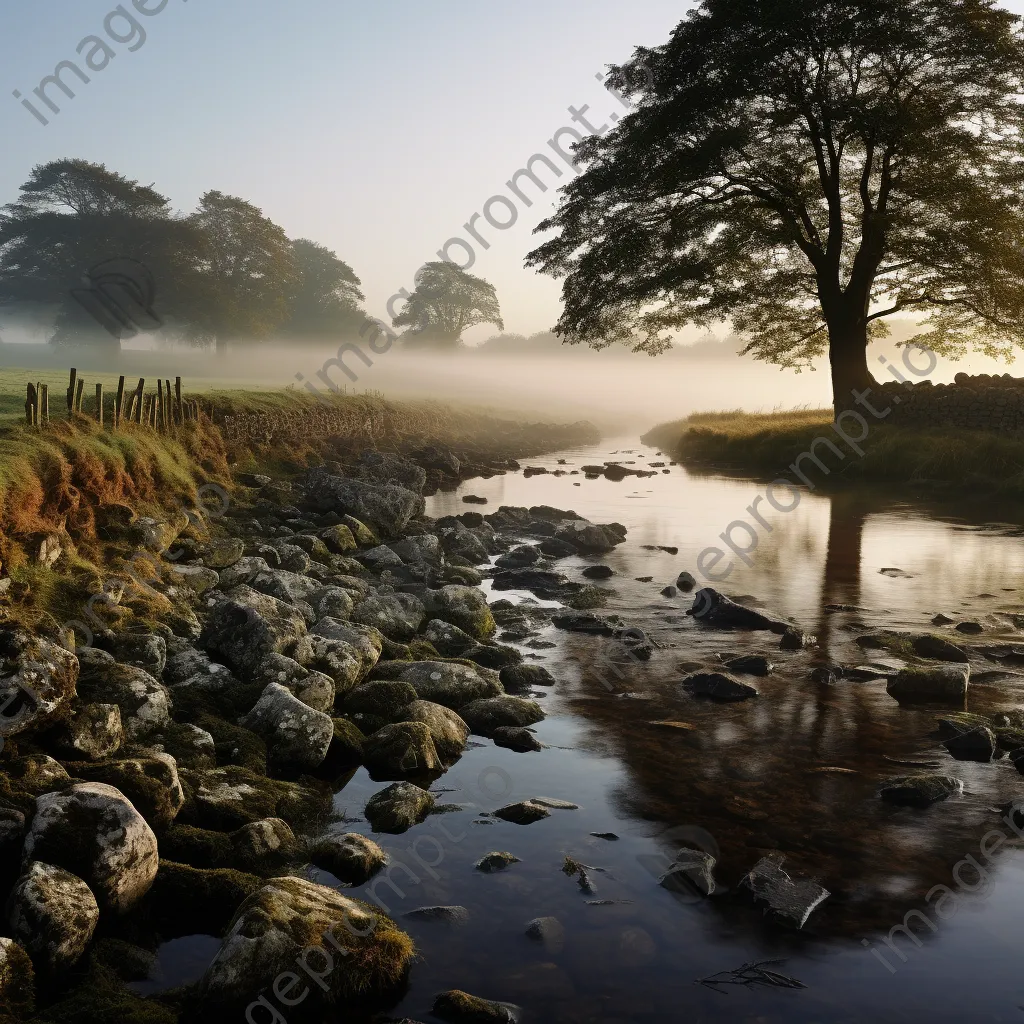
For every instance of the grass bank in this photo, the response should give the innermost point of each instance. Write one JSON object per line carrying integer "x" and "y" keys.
{"x": 766, "y": 444}
{"x": 83, "y": 484}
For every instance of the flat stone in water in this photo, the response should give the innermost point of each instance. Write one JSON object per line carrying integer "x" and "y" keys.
{"x": 449, "y": 915}
{"x": 525, "y": 812}
{"x": 919, "y": 790}
{"x": 789, "y": 900}
{"x": 718, "y": 686}
{"x": 555, "y": 804}
{"x": 497, "y": 860}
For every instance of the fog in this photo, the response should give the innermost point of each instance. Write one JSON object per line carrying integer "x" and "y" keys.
{"x": 614, "y": 388}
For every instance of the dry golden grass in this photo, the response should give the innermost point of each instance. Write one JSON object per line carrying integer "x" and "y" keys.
{"x": 768, "y": 443}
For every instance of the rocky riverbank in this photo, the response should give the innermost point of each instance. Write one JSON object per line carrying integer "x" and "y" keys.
{"x": 174, "y": 776}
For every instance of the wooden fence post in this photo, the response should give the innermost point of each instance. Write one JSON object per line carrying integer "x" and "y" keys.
{"x": 99, "y": 404}
{"x": 138, "y": 399}
{"x": 46, "y": 403}
{"x": 37, "y": 414}
{"x": 30, "y": 403}
{"x": 79, "y": 388}
{"x": 71, "y": 393}
{"x": 119, "y": 401}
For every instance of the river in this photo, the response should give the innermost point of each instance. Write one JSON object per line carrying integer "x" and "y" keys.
{"x": 794, "y": 772}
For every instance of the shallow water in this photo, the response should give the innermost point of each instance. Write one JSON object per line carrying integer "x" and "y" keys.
{"x": 743, "y": 781}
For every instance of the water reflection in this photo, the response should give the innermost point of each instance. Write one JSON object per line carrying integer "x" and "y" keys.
{"x": 794, "y": 772}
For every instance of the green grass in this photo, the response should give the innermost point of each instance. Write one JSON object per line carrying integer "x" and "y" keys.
{"x": 766, "y": 444}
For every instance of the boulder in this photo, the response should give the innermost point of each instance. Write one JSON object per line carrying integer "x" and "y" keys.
{"x": 195, "y": 578}
{"x": 930, "y": 646}
{"x": 583, "y": 622}
{"x": 940, "y": 684}
{"x": 484, "y": 716}
{"x": 93, "y": 831}
{"x": 296, "y": 735}
{"x": 449, "y": 683}
{"x": 398, "y": 616}
{"x": 523, "y": 677}
{"x": 555, "y": 548}
{"x": 425, "y": 550}
{"x": 314, "y": 689}
{"x": 384, "y": 468}
{"x": 339, "y": 660}
{"x": 92, "y": 731}
{"x": 229, "y": 797}
{"x": 147, "y": 651}
{"x": 459, "y": 540}
{"x": 515, "y": 738}
{"x": 222, "y": 552}
{"x": 497, "y": 860}
{"x": 247, "y": 626}
{"x": 584, "y": 536}
{"x": 37, "y": 680}
{"x": 242, "y": 572}
{"x": 36, "y": 774}
{"x": 339, "y": 539}
{"x": 151, "y": 783}
{"x": 157, "y": 534}
{"x": 399, "y": 807}
{"x": 972, "y": 745}
{"x": 465, "y": 607}
{"x": 143, "y": 701}
{"x": 17, "y": 982}
{"x": 53, "y": 914}
{"x": 919, "y": 790}
{"x": 692, "y": 870}
{"x": 399, "y": 750}
{"x": 437, "y": 456}
{"x": 549, "y": 931}
{"x": 718, "y": 686}
{"x": 380, "y": 558}
{"x": 789, "y": 901}
{"x": 385, "y": 507}
{"x": 351, "y": 858}
{"x": 353, "y": 949}
{"x": 385, "y": 698}
{"x": 525, "y": 812}
{"x": 366, "y": 642}
{"x": 448, "y": 640}
{"x": 460, "y": 1007}
{"x": 447, "y": 729}
{"x": 711, "y": 608}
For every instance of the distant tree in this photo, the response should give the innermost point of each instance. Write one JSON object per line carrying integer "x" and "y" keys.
{"x": 72, "y": 215}
{"x": 325, "y": 298}
{"x": 446, "y": 302}
{"x": 242, "y": 275}
{"x": 804, "y": 170}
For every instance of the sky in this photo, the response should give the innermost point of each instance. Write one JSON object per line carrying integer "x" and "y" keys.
{"x": 375, "y": 128}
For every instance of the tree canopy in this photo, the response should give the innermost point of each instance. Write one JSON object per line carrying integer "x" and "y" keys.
{"x": 804, "y": 170}
{"x": 222, "y": 275}
{"x": 71, "y": 216}
{"x": 325, "y": 297}
{"x": 447, "y": 302}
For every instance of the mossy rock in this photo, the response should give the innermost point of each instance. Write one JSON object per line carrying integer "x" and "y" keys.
{"x": 17, "y": 983}
{"x": 369, "y": 955}
{"x": 381, "y": 697}
{"x": 229, "y": 797}
{"x": 196, "y": 847}
{"x": 150, "y": 783}
{"x": 234, "y": 744}
{"x": 587, "y": 598}
{"x": 127, "y": 960}
{"x": 186, "y": 900}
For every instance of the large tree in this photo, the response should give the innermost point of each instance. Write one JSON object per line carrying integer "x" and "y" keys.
{"x": 242, "y": 276}
{"x": 325, "y": 299}
{"x": 446, "y": 302}
{"x": 804, "y": 169}
{"x": 72, "y": 217}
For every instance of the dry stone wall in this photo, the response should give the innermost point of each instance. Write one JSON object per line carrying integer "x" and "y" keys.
{"x": 984, "y": 402}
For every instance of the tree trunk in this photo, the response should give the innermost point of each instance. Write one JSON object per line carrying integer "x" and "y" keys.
{"x": 221, "y": 346}
{"x": 848, "y": 357}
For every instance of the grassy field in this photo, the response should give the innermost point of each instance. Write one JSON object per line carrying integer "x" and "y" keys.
{"x": 766, "y": 444}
